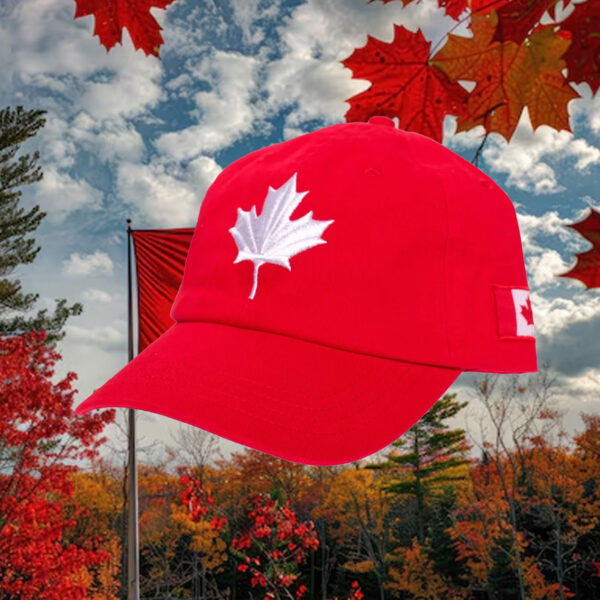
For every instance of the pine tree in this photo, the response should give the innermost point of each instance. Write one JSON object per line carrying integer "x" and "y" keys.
{"x": 429, "y": 456}
{"x": 442, "y": 549}
{"x": 16, "y": 248}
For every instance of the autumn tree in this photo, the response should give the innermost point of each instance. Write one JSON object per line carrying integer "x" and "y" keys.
{"x": 182, "y": 535}
{"x": 16, "y": 246}
{"x": 516, "y": 410}
{"x": 417, "y": 577}
{"x": 259, "y": 472}
{"x": 357, "y": 511}
{"x": 195, "y": 448}
{"x": 559, "y": 515}
{"x": 97, "y": 501}
{"x": 42, "y": 441}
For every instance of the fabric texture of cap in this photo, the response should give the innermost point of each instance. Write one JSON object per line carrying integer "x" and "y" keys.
{"x": 335, "y": 286}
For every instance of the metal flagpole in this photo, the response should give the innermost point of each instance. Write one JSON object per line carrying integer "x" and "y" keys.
{"x": 133, "y": 557}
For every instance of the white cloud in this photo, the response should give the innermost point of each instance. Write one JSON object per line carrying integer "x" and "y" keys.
{"x": 59, "y": 194}
{"x": 550, "y": 223}
{"x": 545, "y": 268}
{"x": 109, "y": 140}
{"x": 97, "y": 263}
{"x": 166, "y": 194}
{"x": 245, "y": 13}
{"x": 587, "y": 107}
{"x": 95, "y": 295}
{"x": 105, "y": 337}
{"x": 42, "y": 45}
{"x": 309, "y": 77}
{"x": 225, "y": 114}
{"x": 523, "y": 158}
{"x": 132, "y": 88}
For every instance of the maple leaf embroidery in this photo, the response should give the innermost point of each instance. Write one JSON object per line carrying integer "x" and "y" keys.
{"x": 527, "y": 312}
{"x": 272, "y": 237}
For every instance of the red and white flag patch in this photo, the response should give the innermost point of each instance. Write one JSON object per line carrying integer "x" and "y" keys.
{"x": 514, "y": 313}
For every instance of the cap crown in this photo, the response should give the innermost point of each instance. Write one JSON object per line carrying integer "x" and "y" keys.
{"x": 413, "y": 266}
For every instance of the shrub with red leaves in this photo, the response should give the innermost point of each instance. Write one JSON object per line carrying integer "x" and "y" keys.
{"x": 273, "y": 547}
{"x": 41, "y": 441}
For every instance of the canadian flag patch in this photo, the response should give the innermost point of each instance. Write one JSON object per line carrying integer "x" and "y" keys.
{"x": 514, "y": 313}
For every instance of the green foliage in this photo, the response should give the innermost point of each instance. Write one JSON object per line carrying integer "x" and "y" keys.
{"x": 430, "y": 455}
{"x": 17, "y": 247}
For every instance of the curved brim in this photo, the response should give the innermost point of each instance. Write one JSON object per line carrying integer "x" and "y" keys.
{"x": 297, "y": 400}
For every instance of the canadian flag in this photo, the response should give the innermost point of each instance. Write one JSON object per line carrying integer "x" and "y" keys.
{"x": 515, "y": 316}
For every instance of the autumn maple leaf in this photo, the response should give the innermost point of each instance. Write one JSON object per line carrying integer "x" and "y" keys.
{"x": 111, "y": 16}
{"x": 454, "y": 8}
{"x": 272, "y": 237}
{"x": 583, "y": 55}
{"x": 518, "y": 17}
{"x": 509, "y": 77}
{"x": 483, "y": 7}
{"x": 403, "y": 84}
{"x": 587, "y": 266}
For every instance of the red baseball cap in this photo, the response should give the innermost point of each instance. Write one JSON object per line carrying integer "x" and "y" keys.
{"x": 335, "y": 286}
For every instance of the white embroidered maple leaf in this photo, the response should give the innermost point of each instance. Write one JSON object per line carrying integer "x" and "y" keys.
{"x": 272, "y": 237}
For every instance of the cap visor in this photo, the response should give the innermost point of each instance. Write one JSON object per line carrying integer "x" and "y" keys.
{"x": 297, "y": 400}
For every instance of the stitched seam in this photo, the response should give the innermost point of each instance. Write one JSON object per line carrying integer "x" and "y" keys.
{"x": 324, "y": 345}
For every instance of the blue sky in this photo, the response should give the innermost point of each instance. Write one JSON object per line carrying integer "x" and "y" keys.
{"x": 132, "y": 136}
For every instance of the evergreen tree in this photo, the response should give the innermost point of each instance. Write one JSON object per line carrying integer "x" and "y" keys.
{"x": 442, "y": 549}
{"x": 16, "y": 246}
{"x": 429, "y": 456}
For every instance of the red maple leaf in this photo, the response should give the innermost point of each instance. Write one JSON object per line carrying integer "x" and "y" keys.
{"x": 483, "y": 7}
{"x": 508, "y": 77}
{"x": 403, "y": 84}
{"x": 518, "y": 17}
{"x": 112, "y": 15}
{"x": 583, "y": 55}
{"x": 527, "y": 312}
{"x": 587, "y": 266}
{"x": 454, "y": 8}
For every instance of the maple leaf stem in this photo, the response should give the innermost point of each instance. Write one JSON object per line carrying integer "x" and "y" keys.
{"x": 255, "y": 284}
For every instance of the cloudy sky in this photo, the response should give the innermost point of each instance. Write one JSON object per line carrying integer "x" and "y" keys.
{"x": 132, "y": 136}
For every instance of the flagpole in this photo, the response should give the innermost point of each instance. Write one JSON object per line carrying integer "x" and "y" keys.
{"x": 133, "y": 558}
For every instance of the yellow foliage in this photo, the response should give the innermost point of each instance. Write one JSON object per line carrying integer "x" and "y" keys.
{"x": 97, "y": 492}
{"x": 364, "y": 566}
{"x": 417, "y": 577}
{"x": 354, "y": 500}
{"x": 206, "y": 540}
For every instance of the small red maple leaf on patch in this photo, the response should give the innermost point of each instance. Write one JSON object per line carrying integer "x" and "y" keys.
{"x": 113, "y": 15}
{"x": 527, "y": 312}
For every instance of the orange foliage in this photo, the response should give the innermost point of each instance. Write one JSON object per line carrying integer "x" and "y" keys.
{"x": 417, "y": 576}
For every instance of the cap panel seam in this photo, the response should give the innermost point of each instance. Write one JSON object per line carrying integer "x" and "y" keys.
{"x": 444, "y": 267}
{"x": 301, "y": 339}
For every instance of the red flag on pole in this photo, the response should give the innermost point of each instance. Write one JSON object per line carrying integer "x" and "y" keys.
{"x": 160, "y": 260}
